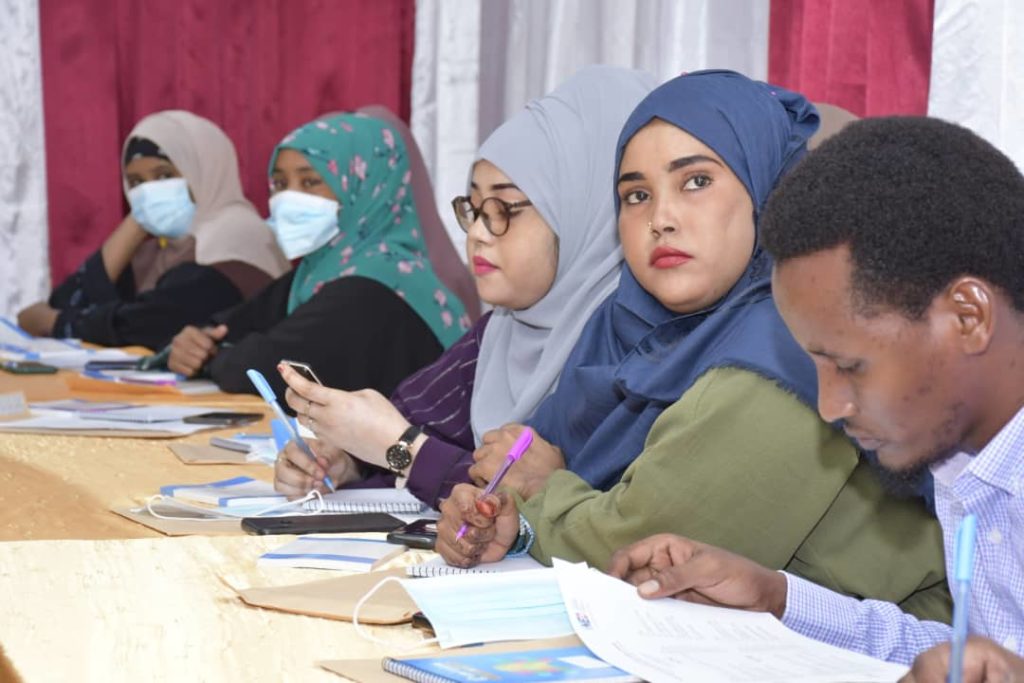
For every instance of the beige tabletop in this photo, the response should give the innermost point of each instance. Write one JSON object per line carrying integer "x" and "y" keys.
{"x": 162, "y": 610}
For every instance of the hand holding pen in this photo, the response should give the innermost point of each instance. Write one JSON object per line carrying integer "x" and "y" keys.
{"x": 518, "y": 448}
{"x": 263, "y": 387}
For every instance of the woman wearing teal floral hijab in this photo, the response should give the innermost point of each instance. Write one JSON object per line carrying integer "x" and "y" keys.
{"x": 364, "y": 306}
{"x": 364, "y": 162}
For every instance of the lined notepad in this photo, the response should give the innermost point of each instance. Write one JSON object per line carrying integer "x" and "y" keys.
{"x": 438, "y": 567}
{"x": 333, "y": 552}
{"x": 248, "y": 491}
{"x": 369, "y": 500}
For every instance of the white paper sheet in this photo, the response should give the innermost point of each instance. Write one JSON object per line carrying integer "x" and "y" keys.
{"x": 672, "y": 640}
{"x": 59, "y": 420}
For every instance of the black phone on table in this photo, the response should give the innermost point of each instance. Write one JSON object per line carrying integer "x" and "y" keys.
{"x": 321, "y": 524}
{"x": 303, "y": 369}
{"x": 27, "y": 367}
{"x": 419, "y": 534}
{"x": 223, "y": 418}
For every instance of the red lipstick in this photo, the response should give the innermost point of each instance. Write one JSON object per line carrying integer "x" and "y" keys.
{"x": 482, "y": 266}
{"x": 667, "y": 257}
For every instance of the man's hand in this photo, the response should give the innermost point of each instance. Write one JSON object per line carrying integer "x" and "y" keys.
{"x": 193, "y": 347}
{"x": 984, "y": 662}
{"x": 672, "y": 566}
{"x": 529, "y": 474}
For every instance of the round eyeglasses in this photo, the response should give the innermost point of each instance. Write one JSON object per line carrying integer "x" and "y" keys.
{"x": 496, "y": 213}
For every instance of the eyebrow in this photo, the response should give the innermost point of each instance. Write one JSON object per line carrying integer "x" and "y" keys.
{"x": 674, "y": 165}
{"x": 496, "y": 186}
{"x": 300, "y": 169}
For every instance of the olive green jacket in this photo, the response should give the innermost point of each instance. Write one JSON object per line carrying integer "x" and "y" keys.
{"x": 740, "y": 463}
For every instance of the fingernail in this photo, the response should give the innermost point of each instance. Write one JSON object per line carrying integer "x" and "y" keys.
{"x": 649, "y": 587}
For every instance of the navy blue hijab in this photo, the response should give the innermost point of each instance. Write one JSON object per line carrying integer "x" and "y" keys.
{"x": 635, "y": 357}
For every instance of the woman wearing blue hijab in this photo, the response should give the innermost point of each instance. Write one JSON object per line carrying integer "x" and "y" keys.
{"x": 686, "y": 404}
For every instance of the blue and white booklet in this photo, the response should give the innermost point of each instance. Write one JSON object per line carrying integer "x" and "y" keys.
{"x": 333, "y": 552}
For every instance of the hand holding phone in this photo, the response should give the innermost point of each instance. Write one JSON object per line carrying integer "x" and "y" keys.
{"x": 304, "y": 370}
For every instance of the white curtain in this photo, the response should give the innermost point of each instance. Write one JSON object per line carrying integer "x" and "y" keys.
{"x": 477, "y": 63}
{"x": 24, "y": 265}
{"x": 977, "y": 77}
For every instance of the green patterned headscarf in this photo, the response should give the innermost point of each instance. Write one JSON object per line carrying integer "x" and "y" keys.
{"x": 363, "y": 161}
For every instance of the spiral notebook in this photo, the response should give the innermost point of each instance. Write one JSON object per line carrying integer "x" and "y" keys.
{"x": 436, "y": 566}
{"x": 558, "y": 664}
{"x": 369, "y": 500}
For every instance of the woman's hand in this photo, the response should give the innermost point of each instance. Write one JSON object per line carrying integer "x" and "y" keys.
{"x": 361, "y": 423}
{"x": 529, "y": 474}
{"x": 193, "y": 348}
{"x": 295, "y": 474}
{"x": 492, "y": 525}
{"x": 38, "y": 319}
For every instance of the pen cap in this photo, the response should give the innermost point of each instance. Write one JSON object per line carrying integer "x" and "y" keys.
{"x": 965, "y": 548}
{"x": 261, "y": 384}
{"x": 521, "y": 444}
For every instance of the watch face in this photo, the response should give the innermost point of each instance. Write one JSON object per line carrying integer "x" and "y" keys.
{"x": 398, "y": 457}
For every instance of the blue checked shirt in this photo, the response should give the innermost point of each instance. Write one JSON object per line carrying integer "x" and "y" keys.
{"x": 990, "y": 485}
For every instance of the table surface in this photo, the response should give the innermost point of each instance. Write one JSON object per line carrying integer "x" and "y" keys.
{"x": 88, "y": 595}
{"x": 163, "y": 610}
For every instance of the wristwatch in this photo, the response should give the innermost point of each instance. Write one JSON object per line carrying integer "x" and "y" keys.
{"x": 398, "y": 455}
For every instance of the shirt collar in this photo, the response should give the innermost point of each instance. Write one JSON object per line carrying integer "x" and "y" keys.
{"x": 1000, "y": 463}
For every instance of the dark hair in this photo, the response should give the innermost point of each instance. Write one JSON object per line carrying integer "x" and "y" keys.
{"x": 918, "y": 202}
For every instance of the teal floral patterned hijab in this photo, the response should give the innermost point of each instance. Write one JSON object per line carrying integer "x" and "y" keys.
{"x": 363, "y": 161}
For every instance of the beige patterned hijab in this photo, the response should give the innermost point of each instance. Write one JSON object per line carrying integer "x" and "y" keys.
{"x": 226, "y": 227}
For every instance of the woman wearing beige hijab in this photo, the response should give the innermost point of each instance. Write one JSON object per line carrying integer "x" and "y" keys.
{"x": 191, "y": 246}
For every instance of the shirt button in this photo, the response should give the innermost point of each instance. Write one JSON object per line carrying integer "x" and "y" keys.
{"x": 995, "y": 536}
{"x": 1010, "y": 644}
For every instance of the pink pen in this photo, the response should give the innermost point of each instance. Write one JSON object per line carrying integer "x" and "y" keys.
{"x": 514, "y": 453}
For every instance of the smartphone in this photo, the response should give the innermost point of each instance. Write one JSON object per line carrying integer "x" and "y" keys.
{"x": 101, "y": 365}
{"x": 303, "y": 369}
{"x": 226, "y": 418}
{"x": 321, "y": 524}
{"x": 419, "y": 534}
{"x": 27, "y": 367}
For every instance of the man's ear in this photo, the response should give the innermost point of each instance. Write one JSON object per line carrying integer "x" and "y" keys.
{"x": 972, "y": 301}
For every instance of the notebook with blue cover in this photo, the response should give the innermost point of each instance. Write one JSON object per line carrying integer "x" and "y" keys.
{"x": 557, "y": 664}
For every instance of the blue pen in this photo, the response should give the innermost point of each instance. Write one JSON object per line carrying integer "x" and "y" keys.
{"x": 262, "y": 386}
{"x": 964, "y": 550}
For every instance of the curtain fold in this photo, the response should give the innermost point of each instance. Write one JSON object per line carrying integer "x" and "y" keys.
{"x": 257, "y": 68}
{"x": 977, "y": 77}
{"x": 872, "y": 58}
{"x": 24, "y": 275}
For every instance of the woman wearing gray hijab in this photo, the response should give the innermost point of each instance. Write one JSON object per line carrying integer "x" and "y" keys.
{"x": 543, "y": 247}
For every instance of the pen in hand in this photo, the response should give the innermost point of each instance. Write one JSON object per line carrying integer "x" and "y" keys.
{"x": 514, "y": 453}
{"x": 262, "y": 386}
{"x": 962, "y": 598}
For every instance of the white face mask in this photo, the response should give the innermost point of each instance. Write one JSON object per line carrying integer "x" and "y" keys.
{"x": 302, "y": 222}
{"x": 163, "y": 207}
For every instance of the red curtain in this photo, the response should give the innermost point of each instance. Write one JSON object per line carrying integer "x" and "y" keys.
{"x": 871, "y": 57}
{"x": 257, "y": 68}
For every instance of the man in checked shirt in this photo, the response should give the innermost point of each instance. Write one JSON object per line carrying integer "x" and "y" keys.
{"x": 899, "y": 267}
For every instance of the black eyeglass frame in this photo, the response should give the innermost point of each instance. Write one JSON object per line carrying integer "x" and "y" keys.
{"x": 466, "y": 214}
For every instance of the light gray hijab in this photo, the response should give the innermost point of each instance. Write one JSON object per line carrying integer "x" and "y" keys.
{"x": 560, "y": 151}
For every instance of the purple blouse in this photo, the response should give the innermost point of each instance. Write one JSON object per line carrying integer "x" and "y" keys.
{"x": 437, "y": 399}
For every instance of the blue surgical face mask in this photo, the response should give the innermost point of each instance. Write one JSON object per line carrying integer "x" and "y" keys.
{"x": 302, "y": 222}
{"x": 163, "y": 207}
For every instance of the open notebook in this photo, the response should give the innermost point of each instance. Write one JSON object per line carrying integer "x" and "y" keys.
{"x": 436, "y": 566}
{"x": 250, "y": 493}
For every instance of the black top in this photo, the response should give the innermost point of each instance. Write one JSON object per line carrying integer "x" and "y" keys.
{"x": 97, "y": 310}
{"x": 355, "y": 333}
